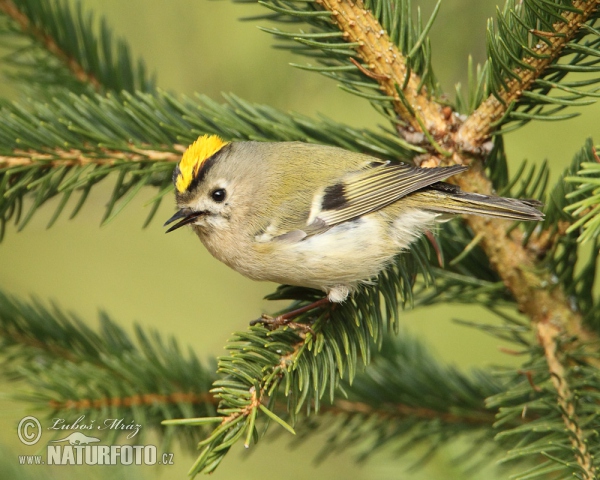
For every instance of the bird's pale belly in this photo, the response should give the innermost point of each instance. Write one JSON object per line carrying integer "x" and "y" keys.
{"x": 343, "y": 256}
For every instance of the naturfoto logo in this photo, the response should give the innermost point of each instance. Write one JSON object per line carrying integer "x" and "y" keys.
{"x": 77, "y": 438}
{"x": 77, "y": 448}
{"x": 83, "y": 454}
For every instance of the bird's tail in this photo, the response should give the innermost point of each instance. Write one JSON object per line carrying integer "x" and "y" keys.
{"x": 446, "y": 198}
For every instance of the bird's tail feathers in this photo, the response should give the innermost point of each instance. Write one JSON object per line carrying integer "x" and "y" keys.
{"x": 454, "y": 200}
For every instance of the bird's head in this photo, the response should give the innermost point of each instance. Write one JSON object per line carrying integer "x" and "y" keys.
{"x": 202, "y": 188}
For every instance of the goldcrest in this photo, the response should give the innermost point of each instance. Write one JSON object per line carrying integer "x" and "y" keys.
{"x": 313, "y": 215}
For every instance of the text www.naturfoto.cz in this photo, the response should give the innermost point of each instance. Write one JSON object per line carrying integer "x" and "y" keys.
{"x": 97, "y": 455}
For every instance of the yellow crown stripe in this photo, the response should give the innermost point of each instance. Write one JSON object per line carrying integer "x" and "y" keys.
{"x": 193, "y": 158}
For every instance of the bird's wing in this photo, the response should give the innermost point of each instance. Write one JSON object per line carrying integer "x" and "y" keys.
{"x": 370, "y": 188}
{"x": 373, "y": 188}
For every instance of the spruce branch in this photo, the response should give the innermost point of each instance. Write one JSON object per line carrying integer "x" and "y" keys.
{"x": 549, "y": 336}
{"x": 77, "y": 158}
{"x": 574, "y": 267}
{"x": 136, "y": 400}
{"x": 61, "y": 43}
{"x": 585, "y": 198}
{"x": 103, "y": 369}
{"x": 8, "y": 8}
{"x": 304, "y": 364}
{"x": 533, "y": 290}
{"x": 70, "y": 143}
{"x": 517, "y": 71}
{"x": 388, "y": 66}
{"x": 70, "y": 367}
{"x": 558, "y": 393}
{"x": 273, "y": 375}
{"x": 402, "y": 79}
{"x": 397, "y": 411}
{"x": 515, "y": 265}
{"x": 403, "y": 399}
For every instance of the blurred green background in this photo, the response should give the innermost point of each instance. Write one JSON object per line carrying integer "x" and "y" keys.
{"x": 170, "y": 283}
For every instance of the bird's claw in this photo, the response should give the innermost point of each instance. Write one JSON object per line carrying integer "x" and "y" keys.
{"x": 273, "y": 323}
{"x": 268, "y": 320}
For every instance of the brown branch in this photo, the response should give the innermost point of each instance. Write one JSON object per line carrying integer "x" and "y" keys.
{"x": 134, "y": 401}
{"x": 536, "y": 294}
{"x": 482, "y": 418}
{"x": 21, "y": 339}
{"x": 387, "y": 64}
{"x": 341, "y": 407}
{"x": 11, "y": 10}
{"x": 546, "y": 239}
{"x": 549, "y": 335}
{"x": 76, "y": 157}
{"x": 477, "y": 128}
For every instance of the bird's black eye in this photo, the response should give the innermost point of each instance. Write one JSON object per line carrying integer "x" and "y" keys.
{"x": 218, "y": 195}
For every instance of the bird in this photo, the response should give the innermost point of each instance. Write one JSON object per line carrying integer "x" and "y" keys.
{"x": 313, "y": 215}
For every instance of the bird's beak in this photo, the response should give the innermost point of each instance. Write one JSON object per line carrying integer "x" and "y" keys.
{"x": 186, "y": 215}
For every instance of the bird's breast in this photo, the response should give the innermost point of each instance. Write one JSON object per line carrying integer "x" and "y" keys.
{"x": 346, "y": 254}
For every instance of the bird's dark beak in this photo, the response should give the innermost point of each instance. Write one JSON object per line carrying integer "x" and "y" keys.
{"x": 186, "y": 215}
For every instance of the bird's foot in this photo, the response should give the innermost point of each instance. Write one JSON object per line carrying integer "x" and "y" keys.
{"x": 273, "y": 323}
{"x": 287, "y": 318}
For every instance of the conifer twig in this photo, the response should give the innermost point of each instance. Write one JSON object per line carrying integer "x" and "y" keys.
{"x": 477, "y": 128}
{"x": 516, "y": 266}
{"x": 483, "y": 418}
{"x": 549, "y": 335}
{"x": 387, "y": 65}
{"x": 102, "y": 156}
{"x": 340, "y": 407}
{"x": 11, "y": 10}
{"x": 512, "y": 261}
{"x": 133, "y": 400}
